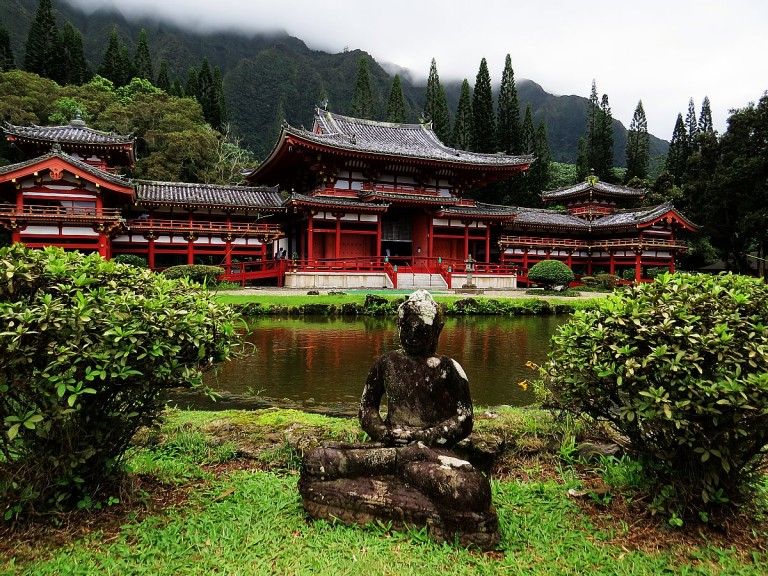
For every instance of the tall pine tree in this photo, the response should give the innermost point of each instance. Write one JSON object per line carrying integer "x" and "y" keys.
{"x": 462, "y": 127}
{"x": 75, "y": 66}
{"x": 190, "y": 87}
{"x": 510, "y": 137}
{"x": 6, "y": 54}
{"x": 219, "y": 115}
{"x": 483, "y": 122}
{"x": 637, "y": 145}
{"x": 705, "y": 118}
{"x": 163, "y": 80}
{"x": 436, "y": 105}
{"x": 205, "y": 93}
{"x": 362, "y": 99}
{"x": 604, "y": 143}
{"x": 43, "y": 48}
{"x": 596, "y": 150}
{"x": 142, "y": 61}
{"x": 528, "y": 140}
{"x": 116, "y": 65}
{"x": 691, "y": 125}
{"x": 677, "y": 156}
{"x": 396, "y": 103}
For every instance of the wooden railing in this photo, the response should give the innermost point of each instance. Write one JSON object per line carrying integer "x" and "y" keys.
{"x": 42, "y": 213}
{"x": 240, "y": 229}
{"x": 592, "y": 244}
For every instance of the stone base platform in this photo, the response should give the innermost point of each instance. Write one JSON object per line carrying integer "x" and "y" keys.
{"x": 389, "y": 499}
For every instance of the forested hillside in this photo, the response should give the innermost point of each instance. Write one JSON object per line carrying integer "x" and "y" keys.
{"x": 271, "y": 77}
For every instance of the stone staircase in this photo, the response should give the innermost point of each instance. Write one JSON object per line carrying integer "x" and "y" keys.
{"x": 417, "y": 280}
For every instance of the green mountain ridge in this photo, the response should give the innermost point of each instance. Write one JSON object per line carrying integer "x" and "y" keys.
{"x": 271, "y": 77}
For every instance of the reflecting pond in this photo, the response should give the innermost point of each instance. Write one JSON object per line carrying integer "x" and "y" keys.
{"x": 324, "y": 361}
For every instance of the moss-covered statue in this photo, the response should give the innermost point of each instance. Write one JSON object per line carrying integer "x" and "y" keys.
{"x": 408, "y": 476}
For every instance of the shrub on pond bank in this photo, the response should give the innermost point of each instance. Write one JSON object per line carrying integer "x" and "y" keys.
{"x": 86, "y": 349}
{"x": 199, "y": 273}
{"x": 680, "y": 368}
{"x": 550, "y": 273}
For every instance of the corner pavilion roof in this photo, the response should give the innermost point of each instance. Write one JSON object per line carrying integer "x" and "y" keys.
{"x": 592, "y": 187}
{"x": 76, "y": 132}
{"x": 543, "y": 219}
{"x": 187, "y": 194}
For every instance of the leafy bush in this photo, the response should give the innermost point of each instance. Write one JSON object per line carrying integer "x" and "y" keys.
{"x": 656, "y": 271}
{"x": 202, "y": 274}
{"x": 588, "y": 281}
{"x": 680, "y": 368}
{"x": 131, "y": 260}
{"x": 87, "y": 347}
{"x": 628, "y": 274}
{"x": 607, "y": 281}
{"x": 550, "y": 273}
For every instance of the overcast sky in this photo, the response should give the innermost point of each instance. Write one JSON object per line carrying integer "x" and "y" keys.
{"x": 660, "y": 51}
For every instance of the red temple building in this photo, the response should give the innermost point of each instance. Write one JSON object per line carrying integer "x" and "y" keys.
{"x": 363, "y": 204}
{"x": 593, "y": 234}
{"x": 384, "y": 204}
{"x": 73, "y": 197}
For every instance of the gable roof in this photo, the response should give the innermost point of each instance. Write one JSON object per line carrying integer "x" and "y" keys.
{"x": 76, "y": 132}
{"x": 57, "y": 158}
{"x": 593, "y": 187}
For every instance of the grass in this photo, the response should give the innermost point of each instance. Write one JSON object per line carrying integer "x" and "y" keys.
{"x": 250, "y": 521}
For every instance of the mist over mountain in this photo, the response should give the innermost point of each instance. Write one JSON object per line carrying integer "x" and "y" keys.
{"x": 268, "y": 77}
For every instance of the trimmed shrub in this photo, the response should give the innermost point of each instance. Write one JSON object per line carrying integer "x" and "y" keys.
{"x": 590, "y": 281}
{"x": 550, "y": 273}
{"x": 628, "y": 274}
{"x": 607, "y": 281}
{"x": 131, "y": 260}
{"x": 207, "y": 275}
{"x": 680, "y": 368}
{"x": 87, "y": 347}
{"x": 656, "y": 271}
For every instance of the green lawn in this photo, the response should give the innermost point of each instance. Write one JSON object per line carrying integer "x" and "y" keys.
{"x": 251, "y": 521}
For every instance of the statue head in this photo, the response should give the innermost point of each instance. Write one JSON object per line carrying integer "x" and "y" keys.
{"x": 420, "y": 321}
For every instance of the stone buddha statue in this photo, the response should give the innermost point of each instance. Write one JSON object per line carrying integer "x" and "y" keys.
{"x": 408, "y": 476}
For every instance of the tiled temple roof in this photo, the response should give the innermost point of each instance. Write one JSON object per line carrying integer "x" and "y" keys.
{"x": 537, "y": 218}
{"x": 79, "y": 164}
{"x": 634, "y": 218}
{"x": 402, "y": 140}
{"x": 76, "y": 132}
{"x": 480, "y": 210}
{"x": 334, "y": 202}
{"x": 594, "y": 186}
{"x": 187, "y": 194}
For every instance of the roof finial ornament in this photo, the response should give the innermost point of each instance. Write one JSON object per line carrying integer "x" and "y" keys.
{"x": 78, "y": 119}
{"x": 56, "y": 147}
{"x": 324, "y": 103}
{"x": 592, "y": 179}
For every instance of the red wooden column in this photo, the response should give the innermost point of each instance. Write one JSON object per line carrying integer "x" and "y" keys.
{"x": 638, "y": 266}
{"x": 337, "y": 250}
{"x": 525, "y": 260}
{"x": 570, "y": 260}
{"x": 611, "y": 264}
{"x": 378, "y": 235}
{"x": 466, "y": 240}
{"x": 589, "y": 265}
{"x": 487, "y": 243}
{"x": 672, "y": 252}
{"x": 310, "y": 238}
{"x": 190, "y": 243}
{"x": 151, "y": 251}
{"x": 16, "y": 232}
